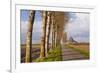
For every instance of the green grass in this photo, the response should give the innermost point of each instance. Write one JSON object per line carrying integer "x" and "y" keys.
{"x": 86, "y": 54}
{"x": 53, "y": 55}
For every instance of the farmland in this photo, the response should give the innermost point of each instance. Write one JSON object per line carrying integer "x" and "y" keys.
{"x": 35, "y": 50}
{"x": 76, "y": 51}
{"x": 53, "y": 54}
{"x": 83, "y": 48}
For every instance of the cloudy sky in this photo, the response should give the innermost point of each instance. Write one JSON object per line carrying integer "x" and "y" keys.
{"x": 77, "y": 26}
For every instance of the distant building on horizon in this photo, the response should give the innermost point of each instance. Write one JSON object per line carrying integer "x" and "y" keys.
{"x": 71, "y": 40}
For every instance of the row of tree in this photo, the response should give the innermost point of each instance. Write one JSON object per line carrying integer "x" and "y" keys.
{"x": 52, "y": 23}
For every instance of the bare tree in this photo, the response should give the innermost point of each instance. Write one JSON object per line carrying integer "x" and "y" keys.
{"x": 44, "y": 24}
{"x": 28, "y": 57}
{"x": 48, "y": 32}
{"x": 53, "y": 29}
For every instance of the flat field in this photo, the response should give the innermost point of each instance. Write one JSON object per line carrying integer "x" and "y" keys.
{"x": 81, "y": 47}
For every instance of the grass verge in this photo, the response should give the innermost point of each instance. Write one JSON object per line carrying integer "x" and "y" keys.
{"x": 85, "y": 53}
{"x": 53, "y": 55}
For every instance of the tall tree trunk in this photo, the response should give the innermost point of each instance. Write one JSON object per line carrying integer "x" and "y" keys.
{"x": 48, "y": 32}
{"x": 56, "y": 41}
{"x": 28, "y": 57}
{"x": 53, "y": 30}
{"x": 54, "y": 38}
{"x": 44, "y": 24}
{"x": 52, "y": 35}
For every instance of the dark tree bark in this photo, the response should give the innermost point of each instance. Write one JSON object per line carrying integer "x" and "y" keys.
{"x": 28, "y": 57}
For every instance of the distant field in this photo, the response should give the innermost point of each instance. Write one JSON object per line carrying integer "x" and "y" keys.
{"x": 33, "y": 46}
{"x": 35, "y": 50}
{"x": 84, "y": 47}
{"x": 81, "y": 47}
